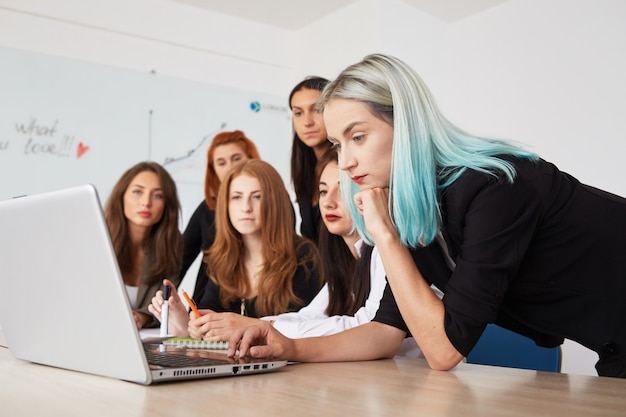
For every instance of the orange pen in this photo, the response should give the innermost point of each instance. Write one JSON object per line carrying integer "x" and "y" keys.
{"x": 192, "y": 305}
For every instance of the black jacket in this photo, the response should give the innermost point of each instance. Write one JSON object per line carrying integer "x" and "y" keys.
{"x": 544, "y": 256}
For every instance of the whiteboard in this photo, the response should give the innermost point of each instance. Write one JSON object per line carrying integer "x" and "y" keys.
{"x": 65, "y": 122}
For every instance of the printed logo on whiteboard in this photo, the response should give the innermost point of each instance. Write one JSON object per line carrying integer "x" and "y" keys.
{"x": 256, "y": 107}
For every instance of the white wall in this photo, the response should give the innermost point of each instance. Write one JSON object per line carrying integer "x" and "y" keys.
{"x": 368, "y": 26}
{"x": 549, "y": 73}
{"x": 145, "y": 35}
{"x": 327, "y": 46}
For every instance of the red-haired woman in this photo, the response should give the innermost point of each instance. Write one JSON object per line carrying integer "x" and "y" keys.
{"x": 258, "y": 265}
{"x": 227, "y": 148}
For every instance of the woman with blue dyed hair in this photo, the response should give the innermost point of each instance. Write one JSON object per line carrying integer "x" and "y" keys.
{"x": 528, "y": 247}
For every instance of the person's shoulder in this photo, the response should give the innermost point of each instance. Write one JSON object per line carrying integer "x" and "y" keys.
{"x": 470, "y": 182}
{"x": 203, "y": 212}
{"x": 200, "y": 208}
{"x": 203, "y": 207}
{"x": 473, "y": 178}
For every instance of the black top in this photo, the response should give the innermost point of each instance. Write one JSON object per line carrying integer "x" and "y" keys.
{"x": 306, "y": 284}
{"x": 198, "y": 237}
{"x": 544, "y": 256}
{"x": 311, "y": 218}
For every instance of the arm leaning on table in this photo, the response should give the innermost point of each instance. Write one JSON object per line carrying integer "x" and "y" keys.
{"x": 367, "y": 342}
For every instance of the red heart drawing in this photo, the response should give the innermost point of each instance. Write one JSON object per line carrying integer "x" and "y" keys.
{"x": 81, "y": 149}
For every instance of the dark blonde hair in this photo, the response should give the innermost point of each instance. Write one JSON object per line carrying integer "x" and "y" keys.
{"x": 211, "y": 181}
{"x": 164, "y": 242}
{"x": 283, "y": 250}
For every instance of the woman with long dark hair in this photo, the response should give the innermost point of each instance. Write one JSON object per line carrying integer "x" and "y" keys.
{"x": 308, "y": 145}
{"x": 142, "y": 214}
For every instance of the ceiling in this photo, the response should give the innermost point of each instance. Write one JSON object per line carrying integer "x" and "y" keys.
{"x": 295, "y": 14}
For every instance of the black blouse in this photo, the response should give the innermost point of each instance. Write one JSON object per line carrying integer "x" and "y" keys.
{"x": 544, "y": 256}
{"x": 199, "y": 236}
{"x": 306, "y": 284}
{"x": 311, "y": 219}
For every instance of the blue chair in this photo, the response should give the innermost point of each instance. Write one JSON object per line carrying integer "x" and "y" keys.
{"x": 501, "y": 347}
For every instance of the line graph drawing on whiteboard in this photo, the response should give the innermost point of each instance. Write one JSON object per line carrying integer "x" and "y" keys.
{"x": 191, "y": 166}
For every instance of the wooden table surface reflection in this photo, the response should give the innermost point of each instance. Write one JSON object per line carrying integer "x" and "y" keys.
{"x": 393, "y": 387}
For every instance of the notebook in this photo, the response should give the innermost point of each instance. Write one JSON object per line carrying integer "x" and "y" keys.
{"x": 190, "y": 342}
{"x": 63, "y": 302}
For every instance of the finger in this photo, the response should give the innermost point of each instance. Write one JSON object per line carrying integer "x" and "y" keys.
{"x": 261, "y": 351}
{"x": 234, "y": 343}
{"x": 198, "y": 321}
{"x": 170, "y": 284}
{"x": 202, "y": 330}
{"x": 211, "y": 333}
{"x": 175, "y": 298}
{"x": 248, "y": 339}
{"x": 195, "y": 331}
{"x": 214, "y": 335}
{"x": 152, "y": 310}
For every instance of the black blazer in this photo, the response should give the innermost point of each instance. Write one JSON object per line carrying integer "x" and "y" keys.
{"x": 544, "y": 256}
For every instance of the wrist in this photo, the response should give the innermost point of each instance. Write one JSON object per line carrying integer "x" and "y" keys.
{"x": 387, "y": 237}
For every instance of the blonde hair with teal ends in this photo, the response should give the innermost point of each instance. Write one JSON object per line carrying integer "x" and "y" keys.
{"x": 429, "y": 153}
{"x": 348, "y": 190}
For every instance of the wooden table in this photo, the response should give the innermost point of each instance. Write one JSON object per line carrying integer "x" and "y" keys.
{"x": 393, "y": 387}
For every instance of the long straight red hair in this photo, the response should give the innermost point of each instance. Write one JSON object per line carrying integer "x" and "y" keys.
{"x": 283, "y": 250}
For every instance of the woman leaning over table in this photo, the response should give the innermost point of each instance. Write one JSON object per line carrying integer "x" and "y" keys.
{"x": 533, "y": 249}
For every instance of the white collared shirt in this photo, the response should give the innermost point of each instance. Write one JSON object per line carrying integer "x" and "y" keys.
{"x": 312, "y": 320}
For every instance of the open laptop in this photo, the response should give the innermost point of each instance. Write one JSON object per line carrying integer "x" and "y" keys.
{"x": 63, "y": 302}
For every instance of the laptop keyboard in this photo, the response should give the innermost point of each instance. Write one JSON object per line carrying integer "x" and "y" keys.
{"x": 177, "y": 361}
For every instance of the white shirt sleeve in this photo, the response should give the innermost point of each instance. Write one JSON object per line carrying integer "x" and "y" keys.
{"x": 314, "y": 322}
{"x": 315, "y": 310}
